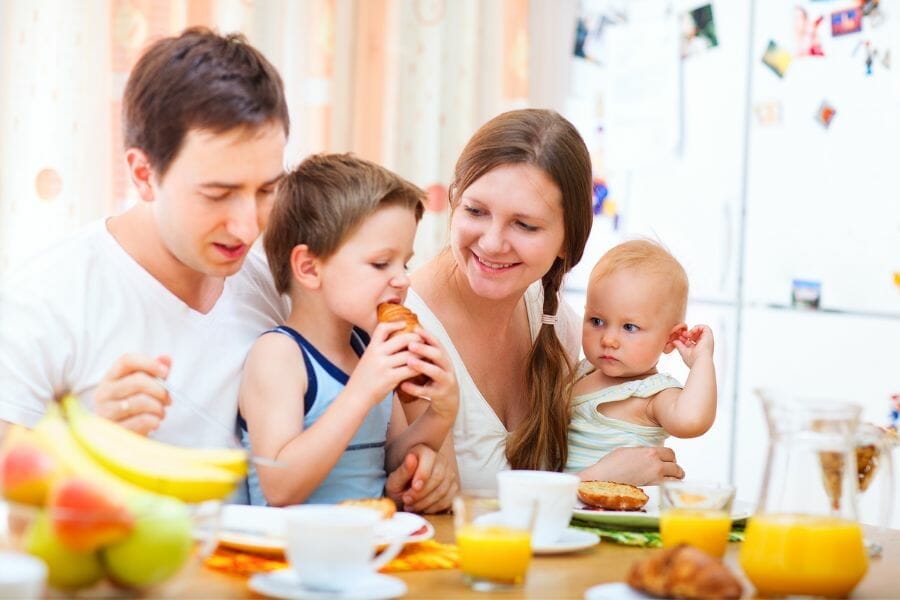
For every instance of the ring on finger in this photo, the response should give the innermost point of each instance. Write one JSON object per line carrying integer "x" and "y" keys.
{"x": 425, "y": 398}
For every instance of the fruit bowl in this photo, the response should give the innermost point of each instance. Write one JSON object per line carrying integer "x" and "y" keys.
{"x": 99, "y": 552}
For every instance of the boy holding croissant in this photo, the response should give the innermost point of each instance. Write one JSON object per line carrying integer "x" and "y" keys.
{"x": 318, "y": 392}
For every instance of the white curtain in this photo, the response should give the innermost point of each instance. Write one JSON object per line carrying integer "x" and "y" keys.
{"x": 402, "y": 82}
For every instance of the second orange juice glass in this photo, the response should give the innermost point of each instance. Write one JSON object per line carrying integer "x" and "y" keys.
{"x": 698, "y": 514}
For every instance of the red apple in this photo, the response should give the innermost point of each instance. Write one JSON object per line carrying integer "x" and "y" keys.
{"x": 27, "y": 472}
{"x": 86, "y": 516}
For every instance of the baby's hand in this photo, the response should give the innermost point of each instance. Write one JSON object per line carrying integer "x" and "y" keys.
{"x": 430, "y": 358}
{"x": 694, "y": 344}
{"x": 383, "y": 365}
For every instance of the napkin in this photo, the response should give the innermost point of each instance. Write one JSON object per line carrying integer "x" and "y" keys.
{"x": 421, "y": 556}
{"x": 647, "y": 539}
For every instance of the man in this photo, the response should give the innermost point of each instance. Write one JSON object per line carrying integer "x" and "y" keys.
{"x": 169, "y": 292}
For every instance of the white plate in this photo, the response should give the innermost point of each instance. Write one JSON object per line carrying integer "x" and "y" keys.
{"x": 571, "y": 540}
{"x": 613, "y": 591}
{"x": 260, "y": 529}
{"x": 287, "y": 584}
{"x": 646, "y": 519}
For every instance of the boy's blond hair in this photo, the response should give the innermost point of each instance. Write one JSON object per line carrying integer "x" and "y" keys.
{"x": 322, "y": 202}
{"x": 649, "y": 257}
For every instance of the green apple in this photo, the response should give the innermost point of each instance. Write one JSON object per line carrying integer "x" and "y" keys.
{"x": 66, "y": 568}
{"x": 157, "y": 547}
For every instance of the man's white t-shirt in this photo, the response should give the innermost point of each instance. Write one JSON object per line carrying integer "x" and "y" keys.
{"x": 70, "y": 313}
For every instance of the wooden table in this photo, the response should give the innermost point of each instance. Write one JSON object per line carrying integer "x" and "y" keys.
{"x": 559, "y": 576}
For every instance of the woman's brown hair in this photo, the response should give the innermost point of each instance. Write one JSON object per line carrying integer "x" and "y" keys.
{"x": 543, "y": 139}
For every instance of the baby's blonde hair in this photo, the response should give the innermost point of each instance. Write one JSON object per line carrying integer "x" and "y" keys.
{"x": 651, "y": 258}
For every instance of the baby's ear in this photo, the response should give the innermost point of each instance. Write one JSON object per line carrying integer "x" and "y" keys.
{"x": 305, "y": 267}
{"x": 676, "y": 333}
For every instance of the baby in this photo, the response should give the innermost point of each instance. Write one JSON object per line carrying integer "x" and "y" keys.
{"x": 636, "y": 300}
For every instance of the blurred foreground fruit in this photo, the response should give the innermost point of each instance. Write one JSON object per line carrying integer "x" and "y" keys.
{"x": 26, "y": 469}
{"x": 86, "y": 517}
{"x": 159, "y": 545}
{"x": 66, "y": 568}
{"x": 157, "y": 467}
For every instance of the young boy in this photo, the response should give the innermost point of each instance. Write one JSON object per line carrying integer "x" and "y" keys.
{"x": 635, "y": 310}
{"x": 318, "y": 391}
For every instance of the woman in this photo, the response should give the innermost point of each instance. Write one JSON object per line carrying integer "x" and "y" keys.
{"x": 521, "y": 215}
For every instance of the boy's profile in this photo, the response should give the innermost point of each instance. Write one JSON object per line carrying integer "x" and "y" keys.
{"x": 318, "y": 391}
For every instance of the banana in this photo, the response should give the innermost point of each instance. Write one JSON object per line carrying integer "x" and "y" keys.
{"x": 141, "y": 464}
{"x": 128, "y": 443}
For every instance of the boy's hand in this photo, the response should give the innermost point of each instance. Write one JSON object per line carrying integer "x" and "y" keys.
{"x": 694, "y": 344}
{"x": 429, "y": 358}
{"x": 383, "y": 365}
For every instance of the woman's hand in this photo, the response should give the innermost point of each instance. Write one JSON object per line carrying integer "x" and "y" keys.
{"x": 637, "y": 466}
{"x": 425, "y": 482}
{"x": 130, "y": 395}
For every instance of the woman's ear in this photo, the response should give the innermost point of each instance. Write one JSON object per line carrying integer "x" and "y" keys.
{"x": 675, "y": 334}
{"x": 306, "y": 267}
{"x": 140, "y": 172}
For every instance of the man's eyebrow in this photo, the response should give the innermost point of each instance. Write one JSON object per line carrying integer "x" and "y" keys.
{"x": 235, "y": 186}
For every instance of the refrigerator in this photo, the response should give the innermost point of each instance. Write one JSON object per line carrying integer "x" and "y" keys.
{"x": 779, "y": 197}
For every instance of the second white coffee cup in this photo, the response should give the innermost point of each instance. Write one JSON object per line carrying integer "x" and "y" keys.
{"x": 554, "y": 494}
{"x": 331, "y": 547}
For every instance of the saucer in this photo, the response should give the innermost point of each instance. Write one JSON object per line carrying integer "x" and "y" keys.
{"x": 572, "y": 539}
{"x": 613, "y": 591}
{"x": 286, "y": 584}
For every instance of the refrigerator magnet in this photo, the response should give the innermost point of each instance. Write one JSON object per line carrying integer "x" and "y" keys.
{"x": 805, "y": 293}
{"x": 846, "y": 21}
{"x": 825, "y": 114}
{"x": 776, "y": 58}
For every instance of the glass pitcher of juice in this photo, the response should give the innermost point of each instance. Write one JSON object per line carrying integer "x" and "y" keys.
{"x": 805, "y": 538}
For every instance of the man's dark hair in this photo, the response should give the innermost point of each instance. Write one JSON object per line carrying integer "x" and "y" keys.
{"x": 198, "y": 80}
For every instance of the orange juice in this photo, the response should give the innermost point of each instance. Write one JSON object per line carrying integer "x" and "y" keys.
{"x": 704, "y": 529}
{"x": 803, "y": 554}
{"x": 495, "y": 553}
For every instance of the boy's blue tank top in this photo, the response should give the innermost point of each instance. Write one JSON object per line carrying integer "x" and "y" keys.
{"x": 360, "y": 472}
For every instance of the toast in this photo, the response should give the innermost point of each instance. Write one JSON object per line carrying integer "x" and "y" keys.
{"x": 388, "y": 312}
{"x": 612, "y": 496}
{"x": 385, "y": 506}
{"x": 683, "y": 572}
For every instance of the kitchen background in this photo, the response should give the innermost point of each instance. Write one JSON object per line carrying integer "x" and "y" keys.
{"x": 758, "y": 139}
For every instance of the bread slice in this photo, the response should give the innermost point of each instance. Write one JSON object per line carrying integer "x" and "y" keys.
{"x": 385, "y": 506}
{"x": 611, "y": 495}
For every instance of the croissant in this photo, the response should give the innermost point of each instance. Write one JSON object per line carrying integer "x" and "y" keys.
{"x": 683, "y": 572}
{"x": 388, "y": 312}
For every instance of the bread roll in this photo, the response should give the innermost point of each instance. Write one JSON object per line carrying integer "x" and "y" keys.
{"x": 683, "y": 572}
{"x": 611, "y": 495}
{"x": 389, "y": 312}
{"x": 385, "y": 506}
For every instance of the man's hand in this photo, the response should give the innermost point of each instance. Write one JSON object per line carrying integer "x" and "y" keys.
{"x": 130, "y": 394}
{"x": 637, "y": 466}
{"x": 424, "y": 482}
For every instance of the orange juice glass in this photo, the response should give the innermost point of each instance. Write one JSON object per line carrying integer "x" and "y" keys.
{"x": 698, "y": 514}
{"x": 788, "y": 554}
{"x": 494, "y": 545}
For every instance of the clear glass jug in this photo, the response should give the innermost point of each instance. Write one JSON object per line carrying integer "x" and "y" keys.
{"x": 805, "y": 537}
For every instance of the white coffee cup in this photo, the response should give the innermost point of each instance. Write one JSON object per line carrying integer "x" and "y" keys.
{"x": 331, "y": 547}
{"x": 22, "y": 576}
{"x": 554, "y": 493}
